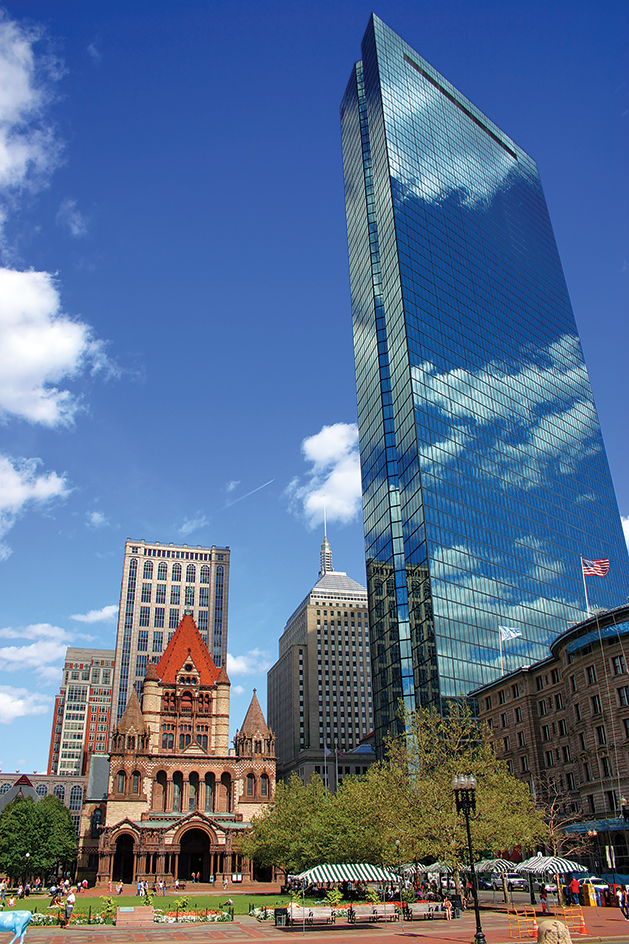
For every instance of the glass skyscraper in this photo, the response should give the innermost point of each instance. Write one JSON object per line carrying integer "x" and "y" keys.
{"x": 484, "y": 472}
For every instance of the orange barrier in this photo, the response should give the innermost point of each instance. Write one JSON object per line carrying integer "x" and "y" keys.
{"x": 522, "y": 923}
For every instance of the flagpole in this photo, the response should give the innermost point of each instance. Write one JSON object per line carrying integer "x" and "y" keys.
{"x": 502, "y": 668}
{"x": 585, "y": 588}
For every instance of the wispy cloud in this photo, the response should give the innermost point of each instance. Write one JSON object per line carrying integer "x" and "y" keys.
{"x": 94, "y": 52}
{"x": 71, "y": 217}
{"x": 333, "y": 483}
{"x": 238, "y": 690}
{"x": 96, "y": 519}
{"x": 46, "y": 645}
{"x": 232, "y": 485}
{"x": 21, "y": 487}
{"x": 19, "y": 702}
{"x": 105, "y": 615}
{"x": 193, "y": 524}
{"x": 254, "y": 662}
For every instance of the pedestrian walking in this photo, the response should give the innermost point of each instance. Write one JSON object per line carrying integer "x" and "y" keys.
{"x": 574, "y": 890}
{"x": 69, "y": 906}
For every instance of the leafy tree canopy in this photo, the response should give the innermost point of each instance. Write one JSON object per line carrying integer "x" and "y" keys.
{"x": 403, "y": 809}
{"x": 35, "y": 836}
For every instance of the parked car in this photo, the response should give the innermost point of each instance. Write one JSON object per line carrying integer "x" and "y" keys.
{"x": 594, "y": 881}
{"x": 515, "y": 881}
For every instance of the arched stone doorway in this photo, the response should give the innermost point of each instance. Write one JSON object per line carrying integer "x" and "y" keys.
{"x": 194, "y": 855}
{"x": 123, "y": 860}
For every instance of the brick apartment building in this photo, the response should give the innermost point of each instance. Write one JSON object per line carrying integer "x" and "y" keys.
{"x": 562, "y": 725}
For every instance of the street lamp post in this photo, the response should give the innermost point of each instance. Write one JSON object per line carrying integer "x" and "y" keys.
{"x": 465, "y": 797}
{"x": 399, "y": 876}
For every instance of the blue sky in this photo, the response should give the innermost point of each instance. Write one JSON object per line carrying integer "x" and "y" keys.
{"x": 175, "y": 328}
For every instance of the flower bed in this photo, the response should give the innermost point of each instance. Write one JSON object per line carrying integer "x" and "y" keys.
{"x": 189, "y": 917}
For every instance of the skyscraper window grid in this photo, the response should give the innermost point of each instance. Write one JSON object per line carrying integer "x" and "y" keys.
{"x": 189, "y": 579}
{"x": 484, "y": 472}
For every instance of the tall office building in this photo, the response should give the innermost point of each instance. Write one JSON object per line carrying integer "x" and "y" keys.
{"x": 483, "y": 467}
{"x": 319, "y": 690}
{"x": 160, "y": 584}
{"x": 80, "y": 724}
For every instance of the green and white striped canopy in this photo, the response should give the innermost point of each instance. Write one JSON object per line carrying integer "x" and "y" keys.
{"x": 348, "y": 872}
{"x": 494, "y": 865}
{"x": 551, "y": 865}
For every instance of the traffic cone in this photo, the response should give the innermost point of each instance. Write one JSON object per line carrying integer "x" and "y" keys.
{"x": 582, "y": 927}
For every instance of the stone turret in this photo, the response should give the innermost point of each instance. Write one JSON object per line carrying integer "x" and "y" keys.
{"x": 152, "y": 705}
{"x": 221, "y": 730}
{"x": 255, "y": 736}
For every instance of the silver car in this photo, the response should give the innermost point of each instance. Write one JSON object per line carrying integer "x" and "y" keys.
{"x": 515, "y": 882}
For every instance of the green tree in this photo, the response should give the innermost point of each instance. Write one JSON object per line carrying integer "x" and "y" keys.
{"x": 291, "y": 834}
{"x": 422, "y": 765}
{"x": 34, "y": 837}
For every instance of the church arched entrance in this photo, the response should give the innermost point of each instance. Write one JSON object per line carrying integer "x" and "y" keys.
{"x": 194, "y": 855}
{"x": 123, "y": 860}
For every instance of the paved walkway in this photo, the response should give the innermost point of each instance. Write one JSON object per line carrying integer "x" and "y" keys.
{"x": 606, "y": 925}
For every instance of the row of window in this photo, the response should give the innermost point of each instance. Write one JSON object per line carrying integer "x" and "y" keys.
{"x": 183, "y": 555}
{"x": 175, "y": 594}
{"x": 618, "y": 666}
{"x": 176, "y": 572}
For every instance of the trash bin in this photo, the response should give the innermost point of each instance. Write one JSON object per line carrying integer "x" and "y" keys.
{"x": 281, "y": 917}
{"x": 457, "y": 906}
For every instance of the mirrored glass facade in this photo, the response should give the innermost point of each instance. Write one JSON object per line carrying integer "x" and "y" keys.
{"x": 484, "y": 472}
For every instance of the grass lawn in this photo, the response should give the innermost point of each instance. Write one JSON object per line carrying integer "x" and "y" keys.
{"x": 242, "y": 902}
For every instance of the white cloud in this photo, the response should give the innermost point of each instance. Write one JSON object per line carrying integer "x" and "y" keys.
{"x": 69, "y": 216}
{"x": 48, "y": 646}
{"x": 625, "y": 528}
{"x": 96, "y": 519}
{"x": 21, "y": 486}
{"x": 94, "y": 53}
{"x": 333, "y": 482}
{"x": 19, "y": 702}
{"x": 105, "y": 615}
{"x": 193, "y": 524}
{"x": 29, "y": 149}
{"x": 232, "y": 485}
{"x": 40, "y": 346}
{"x": 254, "y": 662}
{"x": 238, "y": 690}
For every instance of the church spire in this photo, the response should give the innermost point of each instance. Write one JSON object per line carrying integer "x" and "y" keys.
{"x": 326, "y": 551}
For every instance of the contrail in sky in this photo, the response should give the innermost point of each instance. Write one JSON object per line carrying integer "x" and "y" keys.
{"x": 236, "y": 500}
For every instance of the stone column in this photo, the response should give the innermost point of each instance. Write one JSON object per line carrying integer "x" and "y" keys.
{"x": 185, "y": 797}
{"x": 169, "y": 796}
{"x": 201, "y": 795}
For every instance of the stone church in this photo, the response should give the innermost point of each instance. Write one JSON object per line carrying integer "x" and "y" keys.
{"x": 173, "y": 797}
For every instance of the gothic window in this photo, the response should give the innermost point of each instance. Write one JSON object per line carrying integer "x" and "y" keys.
{"x": 251, "y": 785}
{"x": 121, "y": 782}
{"x": 162, "y": 571}
{"x": 176, "y": 573}
{"x": 186, "y": 702}
{"x": 205, "y": 574}
{"x": 190, "y": 573}
{"x": 264, "y": 785}
{"x": 147, "y": 573}
{"x": 136, "y": 782}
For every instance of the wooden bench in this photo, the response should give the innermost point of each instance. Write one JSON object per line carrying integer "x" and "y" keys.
{"x": 141, "y": 917}
{"x": 372, "y": 913}
{"x": 317, "y": 914}
{"x": 424, "y": 910}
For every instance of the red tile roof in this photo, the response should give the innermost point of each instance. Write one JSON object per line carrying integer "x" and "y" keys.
{"x": 187, "y": 644}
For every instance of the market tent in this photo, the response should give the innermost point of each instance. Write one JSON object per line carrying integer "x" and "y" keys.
{"x": 441, "y": 867}
{"x": 552, "y": 865}
{"x": 348, "y": 872}
{"x": 494, "y": 865}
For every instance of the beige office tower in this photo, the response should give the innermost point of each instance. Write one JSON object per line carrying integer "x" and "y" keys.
{"x": 160, "y": 584}
{"x": 319, "y": 690}
{"x": 80, "y": 724}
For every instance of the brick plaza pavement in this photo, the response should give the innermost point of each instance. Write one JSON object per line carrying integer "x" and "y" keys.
{"x": 605, "y": 925}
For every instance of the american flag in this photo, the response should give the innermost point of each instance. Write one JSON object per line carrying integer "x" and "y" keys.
{"x": 595, "y": 568}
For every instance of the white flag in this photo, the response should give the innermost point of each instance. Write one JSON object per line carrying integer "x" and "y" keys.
{"x": 508, "y": 632}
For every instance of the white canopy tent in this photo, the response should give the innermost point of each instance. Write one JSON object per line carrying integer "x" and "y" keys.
{"x": 549, "y": 865}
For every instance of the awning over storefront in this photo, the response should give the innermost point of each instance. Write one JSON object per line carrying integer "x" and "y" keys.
{"x": 348, "y": 872}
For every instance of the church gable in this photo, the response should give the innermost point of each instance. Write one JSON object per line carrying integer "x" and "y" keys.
{"x": 187, "y": 649}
